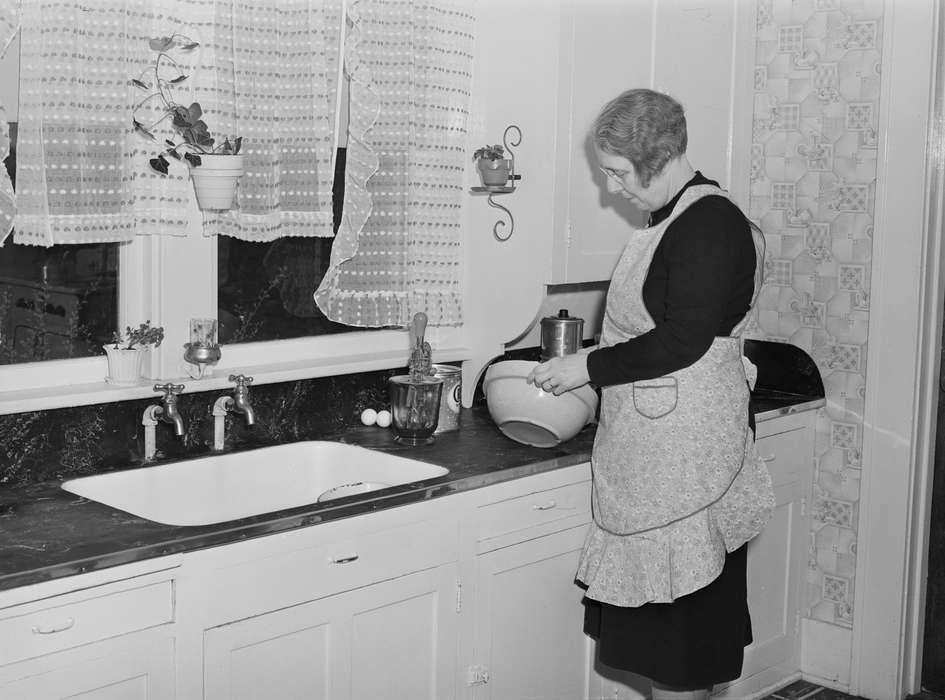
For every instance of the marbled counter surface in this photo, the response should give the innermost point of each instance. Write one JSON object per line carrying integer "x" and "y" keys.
{"x": 47, "y": 533}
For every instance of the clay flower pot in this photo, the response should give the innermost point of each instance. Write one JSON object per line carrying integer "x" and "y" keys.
{"x": 215, "y": 180}
{"x": 494, "y": 173}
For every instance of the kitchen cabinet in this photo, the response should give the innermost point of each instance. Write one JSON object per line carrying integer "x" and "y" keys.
{"x": 395, "y": 639}
{"x": 777, "y": 557}
{"x": 363, "y": 609}
{"x": 133, "y": 667}
{"x": 606, "y": 48}
{"x": 529, "y": 621}
{"x": 527, "y": 612}
{"x": 108, "y": 641}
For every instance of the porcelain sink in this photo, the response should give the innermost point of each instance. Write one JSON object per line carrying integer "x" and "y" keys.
{"x": 225, "y": 487}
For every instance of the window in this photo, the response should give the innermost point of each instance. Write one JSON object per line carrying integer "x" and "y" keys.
{"x": 264, "y": 290}
{"x": 261, "y": 293}
{"x": 58, "y": 302}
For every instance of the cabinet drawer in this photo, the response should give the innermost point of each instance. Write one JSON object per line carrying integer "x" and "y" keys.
{"x": 788, "y": 455}
{"x": 66, "y": 621}
{"x": 538, "y": 508}
{"x": 296, "y": 576}
{"x": 370, "y": 558}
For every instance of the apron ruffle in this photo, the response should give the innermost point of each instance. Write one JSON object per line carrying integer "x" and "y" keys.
{"x": 666, "y": 563}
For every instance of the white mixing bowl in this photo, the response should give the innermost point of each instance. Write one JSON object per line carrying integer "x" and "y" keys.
{"x": 530, "y": 415}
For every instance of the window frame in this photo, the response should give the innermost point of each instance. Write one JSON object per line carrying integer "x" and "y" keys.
{"x": 174, "y": 279}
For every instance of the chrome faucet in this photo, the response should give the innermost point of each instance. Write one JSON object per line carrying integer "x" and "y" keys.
{"x": 241, "y": 403}
{"x": 165, "y": 413}
{"x": 238, "y": 403}
{"x": 168, "y": 412}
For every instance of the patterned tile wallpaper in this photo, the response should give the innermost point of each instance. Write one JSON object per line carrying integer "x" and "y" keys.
{"x": 813, "y": 177}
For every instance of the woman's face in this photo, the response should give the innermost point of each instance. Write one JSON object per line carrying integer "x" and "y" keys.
{"x": 622, "y": 179}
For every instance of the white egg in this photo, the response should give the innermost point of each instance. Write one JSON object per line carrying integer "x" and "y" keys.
{"x": 383, "y": 419}
{"x": 369, "y": 416}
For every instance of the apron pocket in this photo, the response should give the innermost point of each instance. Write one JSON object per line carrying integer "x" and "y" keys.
{"x": 655, "y": 398}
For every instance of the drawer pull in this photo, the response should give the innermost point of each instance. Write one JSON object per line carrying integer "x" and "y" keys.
{"x": 769, "y": 459}
{"x": 344, "y": 560}
{"x": 547, "y": 506}
{"x": 66, "y": 624}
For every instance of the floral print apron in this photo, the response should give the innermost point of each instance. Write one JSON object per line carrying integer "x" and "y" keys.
{"x": 677, "y": 481}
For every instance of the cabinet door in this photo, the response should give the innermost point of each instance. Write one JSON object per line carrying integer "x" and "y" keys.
{"x": 136, "y": 672}
{"x": 606, "y": 49}
{"x": 529, "y": 639}
{"x": 777, "y": 557}
{"x": 395, "y": 639}
{"x": 700, "y": 54}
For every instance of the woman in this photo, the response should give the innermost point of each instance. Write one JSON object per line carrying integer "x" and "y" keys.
{"x": 678, "y": 487}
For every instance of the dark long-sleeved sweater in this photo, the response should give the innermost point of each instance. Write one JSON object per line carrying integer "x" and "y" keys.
{"x": 699, "y": 286}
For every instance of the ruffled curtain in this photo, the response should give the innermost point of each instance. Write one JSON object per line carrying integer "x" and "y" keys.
{"x": 397, "y": 250}
{"x": 82, "y": 172}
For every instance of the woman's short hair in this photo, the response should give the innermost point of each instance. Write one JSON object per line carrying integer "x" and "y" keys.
{"x": 646, "y": 127}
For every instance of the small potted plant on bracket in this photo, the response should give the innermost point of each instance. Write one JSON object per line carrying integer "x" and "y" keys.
{"x": 126, "y": 352}
{"x": 215, "y": 166}
{"x": 494, "y": 167}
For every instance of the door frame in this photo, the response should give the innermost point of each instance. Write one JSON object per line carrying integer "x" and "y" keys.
{"x": 902, "y": 358}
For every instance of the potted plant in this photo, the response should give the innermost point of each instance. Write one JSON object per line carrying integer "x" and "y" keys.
{"x": 494, "y": 167}
{"x": 215, "y": 166}
{"x": 126, "y": 351}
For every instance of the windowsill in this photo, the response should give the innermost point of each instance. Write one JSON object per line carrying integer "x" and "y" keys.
{"x": 84, "y": 394}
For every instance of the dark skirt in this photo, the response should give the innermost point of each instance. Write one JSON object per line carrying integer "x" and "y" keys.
{"x": 694, "y": 642}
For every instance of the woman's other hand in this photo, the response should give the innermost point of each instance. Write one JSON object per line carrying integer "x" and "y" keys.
{"x": 560, "y": 374}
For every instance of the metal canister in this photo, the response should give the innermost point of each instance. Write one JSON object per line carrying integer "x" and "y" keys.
{"x": 561, "y": 335}
{"x": 451, "y": 398}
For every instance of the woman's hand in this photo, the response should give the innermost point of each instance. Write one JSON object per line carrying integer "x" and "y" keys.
{"x": 561, "y": 374}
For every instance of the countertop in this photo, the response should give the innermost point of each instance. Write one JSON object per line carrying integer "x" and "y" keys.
{"x": 47, "y": 533}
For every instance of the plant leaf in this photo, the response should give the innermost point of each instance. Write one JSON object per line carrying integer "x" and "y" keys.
{"x": 139, "y": 127}
{"x": 159, "y": 164}
{"x": 179, "y": 79}
{"x": 195, "y": 111}
{"x": 189, "y": 47}
{"x": 140, "y": 84}
{"x": 162, "y": 43}
{"x": 237, "y": 144}
{"x": 173, "y": 153}
{"x": 193, "y": 159}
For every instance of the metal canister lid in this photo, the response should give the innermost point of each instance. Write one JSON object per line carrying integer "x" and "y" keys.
{"x": 563, "y": 318}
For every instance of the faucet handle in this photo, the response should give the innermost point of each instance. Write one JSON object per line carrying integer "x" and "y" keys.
{"x": 169, "y": 389}
{"x": 242, "y": 381}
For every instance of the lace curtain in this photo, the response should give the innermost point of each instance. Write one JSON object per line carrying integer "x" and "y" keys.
{"x": 263, "y": 71}
{"x": 397, "y": 251}
{"x": 279, "y": 61}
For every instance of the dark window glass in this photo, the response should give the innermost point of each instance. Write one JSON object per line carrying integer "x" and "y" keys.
{"x": 265, "y": 290}
{"x": 56, "y": 302}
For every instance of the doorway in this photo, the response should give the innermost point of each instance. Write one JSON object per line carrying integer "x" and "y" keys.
{"x": 933, "y": 654}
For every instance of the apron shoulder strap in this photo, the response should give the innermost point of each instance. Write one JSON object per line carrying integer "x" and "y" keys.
{"x": 758, "y": 239}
